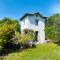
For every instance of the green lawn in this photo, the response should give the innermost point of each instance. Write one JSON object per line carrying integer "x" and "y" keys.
{"x": 48, "y": 51}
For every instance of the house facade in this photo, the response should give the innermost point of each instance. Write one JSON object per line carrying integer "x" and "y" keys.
{"x": 35, "y": 22}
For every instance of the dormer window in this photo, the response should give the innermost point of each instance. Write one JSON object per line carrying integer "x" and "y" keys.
{"x": 36, "y": 22}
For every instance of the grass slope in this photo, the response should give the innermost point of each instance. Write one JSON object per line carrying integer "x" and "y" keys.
{"x": 42, "y": 52}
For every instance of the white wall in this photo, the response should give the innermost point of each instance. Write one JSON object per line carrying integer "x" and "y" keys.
{"x": 24, "y": 24}
{"x": 29, "y": 23}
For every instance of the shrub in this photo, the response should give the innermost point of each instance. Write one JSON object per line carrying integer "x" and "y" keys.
{"x": 23, "y": 39}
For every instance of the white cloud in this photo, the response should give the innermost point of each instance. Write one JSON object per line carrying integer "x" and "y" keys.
{"x": 54, "y": 9}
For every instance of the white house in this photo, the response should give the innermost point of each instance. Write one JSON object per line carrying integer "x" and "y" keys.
{"x": 35, "y": 22}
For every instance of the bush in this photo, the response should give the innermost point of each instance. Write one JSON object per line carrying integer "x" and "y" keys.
{"x": 23, "y": 39}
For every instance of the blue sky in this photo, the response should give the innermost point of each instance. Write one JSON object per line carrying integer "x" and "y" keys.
{"x": 16, "y": 8}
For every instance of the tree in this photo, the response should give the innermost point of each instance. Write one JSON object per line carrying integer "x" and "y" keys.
{"x": 6, "y": 34}
{"x": 7, "y": 31}
{"x": 14, "y": 24}
{"x": 53, "y": 28}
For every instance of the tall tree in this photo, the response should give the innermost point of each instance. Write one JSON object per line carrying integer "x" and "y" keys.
{"x": 53, "y": 28}
{"x": 7, "y": 31}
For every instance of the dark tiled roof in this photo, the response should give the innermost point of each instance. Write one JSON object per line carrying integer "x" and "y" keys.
{"x": 29, "y": 14}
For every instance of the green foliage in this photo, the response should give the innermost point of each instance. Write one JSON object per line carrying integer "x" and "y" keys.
{"x": 53, "y": 28}
{"x": 7, "y": 31}
{"x": 13, "y": 24}
{"x": 28, "y": 35}
{"x": 1, "y": 48}
{"x": 24, "y": 38}
{"x": 6, "y": 35}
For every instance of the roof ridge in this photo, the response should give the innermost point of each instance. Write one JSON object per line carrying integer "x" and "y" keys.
{"x": 31, "y": 14}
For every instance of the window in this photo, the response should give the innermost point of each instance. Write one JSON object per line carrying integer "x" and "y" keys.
{"x": 36, "y": 22}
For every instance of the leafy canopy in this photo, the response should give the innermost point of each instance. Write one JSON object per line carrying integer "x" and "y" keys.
{"x": 53, "y": 27}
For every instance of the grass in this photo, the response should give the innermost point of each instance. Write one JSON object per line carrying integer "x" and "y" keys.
{"x": 47, "y": 51}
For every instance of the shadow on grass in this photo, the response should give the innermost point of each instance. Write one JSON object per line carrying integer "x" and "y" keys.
{"x": 7, "y": 50}
{"x": 19, "y": 48}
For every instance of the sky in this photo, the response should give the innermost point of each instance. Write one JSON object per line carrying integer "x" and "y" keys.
{"x": 15, "y": 9}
